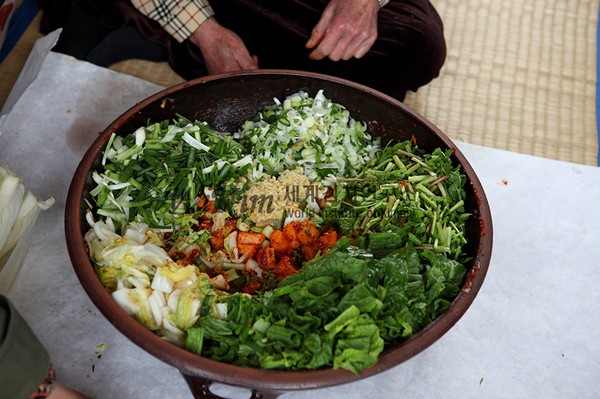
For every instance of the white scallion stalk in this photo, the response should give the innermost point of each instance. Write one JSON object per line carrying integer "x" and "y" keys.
{"x": 217, "y": 164}
{"x": 247, "y": 160}
{"x": 194, "y": 143}
{"x": 18, "y": 210}
{"x": 11, "y": 198}
{"x": 140, "y": 136}
{"x": 108, "y": 148}
{"x": 25, "y": 217}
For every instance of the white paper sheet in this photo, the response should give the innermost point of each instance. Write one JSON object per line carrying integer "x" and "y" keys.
{"x": 533, "y": 330}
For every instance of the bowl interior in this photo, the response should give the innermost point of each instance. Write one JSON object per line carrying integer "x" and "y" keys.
{"x": 225, "y": 102}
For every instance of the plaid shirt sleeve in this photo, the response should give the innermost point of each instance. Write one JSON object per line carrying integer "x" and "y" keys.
{"x": 180, "y": 18}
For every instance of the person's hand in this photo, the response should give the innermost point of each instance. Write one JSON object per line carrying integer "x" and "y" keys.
{"x": 347, "y": 28}
{"x": 222, "y": 49}
{"x": 60, "y": 391}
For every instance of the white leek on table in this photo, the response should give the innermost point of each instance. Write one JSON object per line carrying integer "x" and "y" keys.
{"x": 18, "y": 210}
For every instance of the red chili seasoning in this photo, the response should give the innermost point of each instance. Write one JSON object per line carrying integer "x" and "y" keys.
{"x": 477, "y": 197}
{"x": 470, "y": 277}
{"x": 481, "y": 228}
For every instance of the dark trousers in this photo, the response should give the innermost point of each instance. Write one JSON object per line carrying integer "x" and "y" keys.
{"x": 409, "y": 52}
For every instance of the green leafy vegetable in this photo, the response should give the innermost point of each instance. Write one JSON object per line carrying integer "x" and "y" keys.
{"x": 340, "y": 311}
{"x": 404, "y": 195}
{"x": 160, "y": 171}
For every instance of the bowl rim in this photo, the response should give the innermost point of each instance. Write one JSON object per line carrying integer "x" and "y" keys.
{"x": 193, "y": 365}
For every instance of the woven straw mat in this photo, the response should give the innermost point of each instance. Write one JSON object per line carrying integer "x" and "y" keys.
{"x": 519, "y": 76}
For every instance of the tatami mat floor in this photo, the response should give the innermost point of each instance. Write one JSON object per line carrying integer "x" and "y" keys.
{"x": 519, "y": 76}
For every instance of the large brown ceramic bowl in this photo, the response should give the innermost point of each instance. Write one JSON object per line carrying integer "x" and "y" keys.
{"x": 225, "y": 101}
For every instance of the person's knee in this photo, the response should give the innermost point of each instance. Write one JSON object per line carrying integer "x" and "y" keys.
{"x": 429, "y": 57}
{"x": 412, "y": 34}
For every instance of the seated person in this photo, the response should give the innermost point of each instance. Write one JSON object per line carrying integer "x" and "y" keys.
{"x": 393, "y": 46}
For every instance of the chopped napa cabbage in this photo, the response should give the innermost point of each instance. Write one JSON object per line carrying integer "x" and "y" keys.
{"x": 172, "y": 300}
{"x": 161, "y": 282}
{"x": 98, "y": 238}
{"x": 108, "y": 276}
{"x": 135, "y": 301}
{"x": 136, "y": 232}
{"x": 190, "y": 301}
{"x": 171, "y": 333}
{"x": 166, "y": 278}
{"x": 179, "y": 273}
{"x": 231, "y": 245}
{"x": 157, "y": 304}
{"x": 130, "y": 263}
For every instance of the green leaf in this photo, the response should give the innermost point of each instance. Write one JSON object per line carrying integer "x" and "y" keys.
{"x": 382, "y": 244}
{"x": 194, "y": 340}
{"x": 320, "y": 348}
{"x": 362, "y": 297}
{"x": 288, "y": 336}
{"x": 359, "y": 345}
{"x": 345, "y": 318}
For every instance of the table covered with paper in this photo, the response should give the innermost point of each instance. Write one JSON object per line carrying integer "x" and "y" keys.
{"x": 532, "y": 331}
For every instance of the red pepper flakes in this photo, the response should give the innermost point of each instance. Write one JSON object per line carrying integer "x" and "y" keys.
{"x": 482, "y": 230}
{"x": 413, "y": 139}
{"x": 470, "y": 277}
{"x": 477, "y": 196}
